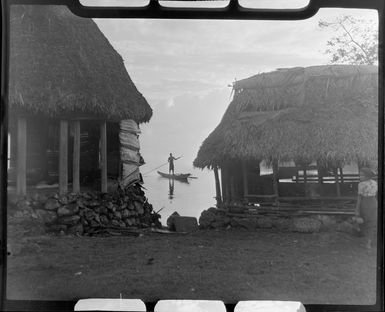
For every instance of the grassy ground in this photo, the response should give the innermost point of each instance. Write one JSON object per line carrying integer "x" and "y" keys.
{"x": 230, "y": 265}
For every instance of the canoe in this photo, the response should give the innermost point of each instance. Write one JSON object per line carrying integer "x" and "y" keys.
{"x": 180, "y": 177}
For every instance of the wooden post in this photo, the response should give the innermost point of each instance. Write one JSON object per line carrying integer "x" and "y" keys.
{"x": 232, "y": 188}
{"x": 320, "y": 173}
{"x": 237, "y": 181}
{"x": 359, "y": 165}
{"x": 305, "y": 179}
{"x": 258, "y": 167}
{"x": 245, "y": 180}
{"x": 275, "y": 180}
{"x": 217, "y": 187}
{"x": 337, "y": 182}
{"x": 223, "y": 184}
{"x": 103, "y": 156}
{"x": 21, "y": 165}
{"x": 63, "y": 157}
{"x": 227, "y": 183}
{"x": 76, "y": 158}
{"x": 342, "y": 175}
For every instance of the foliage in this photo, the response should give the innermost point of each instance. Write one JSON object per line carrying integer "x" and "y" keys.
{"x": 355, "y": 42}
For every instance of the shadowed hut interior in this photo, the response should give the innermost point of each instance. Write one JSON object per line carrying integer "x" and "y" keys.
{"x": 313, "y": 127}
{"x": 68, "y": 92}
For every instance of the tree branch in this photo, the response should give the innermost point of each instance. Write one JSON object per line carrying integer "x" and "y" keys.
{"x": 355, "y": 42}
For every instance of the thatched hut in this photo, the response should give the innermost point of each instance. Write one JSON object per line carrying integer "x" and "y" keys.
{"x": 68, "y": 92}
{"x": 318, "y": 118}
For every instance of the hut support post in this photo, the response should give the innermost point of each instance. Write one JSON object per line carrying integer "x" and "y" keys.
{"x": 76, "y": 158}
{"x": 360, "y": 164}
{"x": 223, "y": 180}
{"x": 228, "y": 188}
{"x": 103, "y": 156}
{"x": 275, "y": 180}
{"x": 338, "y": 190}
{"x": 245, "y": 180}
{"x": 21, "y": 179}
{"x": 63, "y": 157}
{"x": 305, "y": 180}
{"x": 217, "y": 186}
{"x": 341, "y": 175}
{"x": 226, "y": 184}
{"x": 232, "y": 187}
{"x": 320, "y": 173}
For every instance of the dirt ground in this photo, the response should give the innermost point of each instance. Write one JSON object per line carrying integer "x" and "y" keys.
{"x": 229, "y": 265}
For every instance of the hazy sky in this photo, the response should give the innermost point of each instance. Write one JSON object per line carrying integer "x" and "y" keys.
{"x": 183, "y": 69}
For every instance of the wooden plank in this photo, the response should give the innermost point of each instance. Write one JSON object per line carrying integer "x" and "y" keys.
{"x": 103, "y": 156}
{"x": 283, "y": 213}
{"x": 295, "y": 208}
{"x": 21, "y": 165}
{"x": 63, "y": 157}
{"x": 316, "y": 198}
{"x": 313, "y": 208}
{"x": 345, "y": 175}
{"x": 328, "y": 179}
{"x": 314, "y": 179}
{"x": 76, "y": 158}
{"x": 260, "y": 196}
{"x": 319, "y": 204}
{"x": 217, "y": 186}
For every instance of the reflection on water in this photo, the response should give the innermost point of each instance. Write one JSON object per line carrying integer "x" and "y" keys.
{"x": 188, "y": 199}
{"x": 170, "y": 188}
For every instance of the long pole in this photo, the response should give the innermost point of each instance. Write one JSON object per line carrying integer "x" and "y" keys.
{"x": 159, "y": 166}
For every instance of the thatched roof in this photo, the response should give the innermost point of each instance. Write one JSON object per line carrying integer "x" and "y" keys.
{"x": 62, "y": 65}
{"x": 324, "y": 113}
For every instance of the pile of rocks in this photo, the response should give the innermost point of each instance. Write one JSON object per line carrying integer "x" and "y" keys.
{"x": 85, "y": 213}
{"x": 214, "y": 218}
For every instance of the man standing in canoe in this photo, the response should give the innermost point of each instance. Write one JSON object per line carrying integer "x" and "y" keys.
{"x": 171, "y": 163}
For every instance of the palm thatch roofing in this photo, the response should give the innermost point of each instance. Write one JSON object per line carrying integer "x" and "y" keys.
{"x": 62, "y": 65}
{"x": 324, "y": 113}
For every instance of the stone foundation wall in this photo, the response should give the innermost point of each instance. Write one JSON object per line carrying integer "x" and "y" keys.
{"x": 216, "y": 219}
{"x": 85, "y": 213}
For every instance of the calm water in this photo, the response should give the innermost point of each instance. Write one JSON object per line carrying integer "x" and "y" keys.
{"x": 188, "y": 199}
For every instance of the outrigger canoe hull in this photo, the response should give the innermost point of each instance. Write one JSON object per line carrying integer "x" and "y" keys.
{"x": 181, "y": 177}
